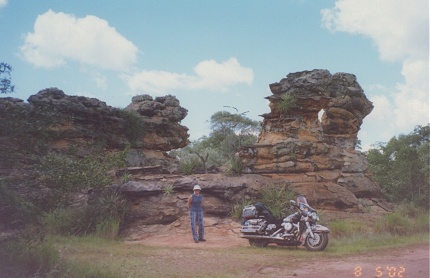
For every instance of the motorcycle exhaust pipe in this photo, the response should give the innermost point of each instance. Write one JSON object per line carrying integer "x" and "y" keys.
{"x": 264, "y": 237}
{"x": 256, "y": 236}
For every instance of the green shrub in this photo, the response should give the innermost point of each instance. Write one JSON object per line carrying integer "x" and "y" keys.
{"x": 15, "y": 212}
{"x": 347, "y": 228}
{"x": 102, "y": 217}
{"x": 277, "y": 198}
{"x": 65, "y": 174}
{"x": 108, "y": 228}
{"x": 394, "y": 223}
{"x": 422, "y": 223}
{"x": 24, "y": 257}
{"x": 287, "y": 102}
{"x": 169, "y": 189}
{"x": 236, "y": 211}
{"x": 133, "y": 124}
{"x": 409, "y": 209}
{"x": 236, "y": 167}
{"x": 189, "y": 165}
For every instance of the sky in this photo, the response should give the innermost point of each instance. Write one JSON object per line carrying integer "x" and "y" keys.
{"x": 212, "y": 54}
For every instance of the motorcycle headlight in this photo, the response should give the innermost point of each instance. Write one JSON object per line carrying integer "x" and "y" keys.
{"x": 314, "y": 216}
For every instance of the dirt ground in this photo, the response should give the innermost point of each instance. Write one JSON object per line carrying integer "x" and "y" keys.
{"x": 412, "y": 261}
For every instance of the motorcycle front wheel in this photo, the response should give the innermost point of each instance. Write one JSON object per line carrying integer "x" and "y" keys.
{"x": 259, "y": 242}
{"x": 318, "y": 243}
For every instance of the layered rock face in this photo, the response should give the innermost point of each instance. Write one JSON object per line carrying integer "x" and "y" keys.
{"x": 151, "y": 127}
{"x": 311, "y": 143}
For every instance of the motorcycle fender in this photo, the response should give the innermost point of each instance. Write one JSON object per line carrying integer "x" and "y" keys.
{"x": 321, "y": 229}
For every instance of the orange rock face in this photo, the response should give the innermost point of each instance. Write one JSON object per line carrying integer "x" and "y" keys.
{"x": 310, "y": 135}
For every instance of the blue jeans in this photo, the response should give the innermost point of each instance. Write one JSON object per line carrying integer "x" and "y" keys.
{"x": 196, "y": 219}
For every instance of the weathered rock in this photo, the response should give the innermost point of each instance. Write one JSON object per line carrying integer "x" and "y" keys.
{"x": 152, "y": 203}
{"x": 64, "y": 122}
{"x": 300, "y": 141}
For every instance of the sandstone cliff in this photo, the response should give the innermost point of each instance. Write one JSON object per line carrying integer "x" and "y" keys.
{"x": 52, "y": 120}
{"x": 312, "y": 143}
{"x": 310, "y": 146}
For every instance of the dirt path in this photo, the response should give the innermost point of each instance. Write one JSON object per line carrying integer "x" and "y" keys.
{"x": 412, "y": 261}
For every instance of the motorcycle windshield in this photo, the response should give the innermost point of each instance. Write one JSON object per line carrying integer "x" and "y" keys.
{"x": 302, "y": 199}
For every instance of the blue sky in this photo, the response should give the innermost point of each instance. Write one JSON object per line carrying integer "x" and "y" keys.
{"x": 211, "y": 54}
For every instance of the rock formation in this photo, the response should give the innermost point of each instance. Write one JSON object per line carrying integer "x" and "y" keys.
{"x": 308, "y": 144}
{"x": 62, "y": 122}
{"x": 311, "y": 140}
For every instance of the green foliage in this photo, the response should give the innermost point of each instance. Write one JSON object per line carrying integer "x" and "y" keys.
{"x": 235, "y": 167}
{"x": 6, "y": 79}
{"x": 66, "y": 174}
{"x": 286, "y": 103}
{"x": 29, "y": 256}
{"x": 169, "y": 189}
{"x": 126, "y": 177}
{"x": 133, "y": 124}
{"x": 236, "y": 211}
{"x": 405, "y": 220}
{"x": 277, "y": 198}
{"x": 189, "y": 164}
{"x": 393, "y": 223}
{"x": 402, "y": 167}
{"x": 26, "y": 130}
{"x": 102, "y": 217}
{"x": 230, "y": 132}
{"x": 347, "y": 228}
{"x": 15, "y": 212}
{"x": 23, "y": 258}
{"x": 226, "y": 122}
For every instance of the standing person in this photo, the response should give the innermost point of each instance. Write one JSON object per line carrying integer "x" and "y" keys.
{"x": 196, "y": 214}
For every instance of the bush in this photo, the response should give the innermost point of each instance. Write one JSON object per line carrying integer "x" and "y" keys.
{"x": 28, "y": 254}
{"x": 287, "y": 102}
{"x": 133, "y": 124}
{"x": 347, "y": 228}
{"x": 103, "y": 217}
{"x": 277, "y": 198}
{"x": 236, "y": 167}
{"x": 394, "y": 223}
{"x": 65, "y": 174}
{"x": 15, "y": 212}
{"x": 189, "y": 165}
{"x": 236, "y": 212}
{"x": 24, "y": 257}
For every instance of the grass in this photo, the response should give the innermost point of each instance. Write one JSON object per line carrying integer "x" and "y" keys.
{"x": 91, "y": 256}
{"x": 135, "y": 260}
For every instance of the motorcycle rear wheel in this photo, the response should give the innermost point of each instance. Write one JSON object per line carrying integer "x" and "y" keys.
{"x": 259, "y": 242}
{"x": 318, "y": 243}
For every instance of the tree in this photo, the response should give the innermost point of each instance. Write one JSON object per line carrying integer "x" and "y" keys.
{"x": 232, "y": 131}
{"x": 229, "y": 133}
{"x": 402, "y": 166}
{"x": 6, "y": 79}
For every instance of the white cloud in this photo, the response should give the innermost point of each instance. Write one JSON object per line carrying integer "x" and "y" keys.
{"x": 3, "y": 3}
{"x": 215, "y": 76}
{"x": 400, "y": 31}
{"x": 399, "y": 28}
{"x": 209, "y": 75}
{"x": 59, "y": 38}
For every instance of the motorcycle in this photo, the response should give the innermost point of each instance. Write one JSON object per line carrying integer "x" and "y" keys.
{"x": 261, "y": 228}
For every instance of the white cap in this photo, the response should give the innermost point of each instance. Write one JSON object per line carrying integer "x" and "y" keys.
{"x": 197, "y": 187}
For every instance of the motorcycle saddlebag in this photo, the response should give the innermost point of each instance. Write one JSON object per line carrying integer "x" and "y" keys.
{"x": 249, "y": 212}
